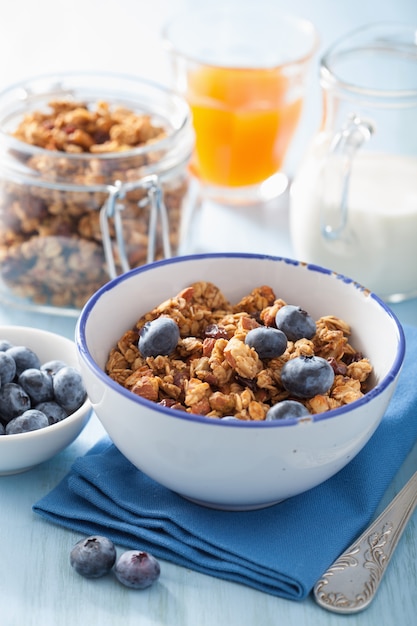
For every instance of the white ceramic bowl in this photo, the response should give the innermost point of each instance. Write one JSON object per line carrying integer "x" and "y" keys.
{"x": 227, "y": 464}
{"x": 23, "y": 451}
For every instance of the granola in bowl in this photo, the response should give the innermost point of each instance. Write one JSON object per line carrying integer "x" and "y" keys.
{"x": 213, "y": 372}
{"x": 201, "y": 451}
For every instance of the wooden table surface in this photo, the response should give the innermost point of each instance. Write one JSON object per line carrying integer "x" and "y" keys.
{"x": 37, "y": 585}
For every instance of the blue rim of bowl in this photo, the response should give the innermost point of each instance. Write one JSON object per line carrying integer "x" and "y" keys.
{"x": 81, "y": 344}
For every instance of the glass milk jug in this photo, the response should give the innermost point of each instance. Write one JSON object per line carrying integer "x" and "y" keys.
{"x": 354, "y": 198}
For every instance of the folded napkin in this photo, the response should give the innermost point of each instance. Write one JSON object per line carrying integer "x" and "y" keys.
{"x": 281, "y": 550}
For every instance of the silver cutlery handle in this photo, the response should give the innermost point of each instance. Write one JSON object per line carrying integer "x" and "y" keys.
{"x": 350, "y": 584}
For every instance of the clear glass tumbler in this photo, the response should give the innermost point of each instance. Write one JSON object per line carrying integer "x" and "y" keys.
{"x": 243, "y": 74}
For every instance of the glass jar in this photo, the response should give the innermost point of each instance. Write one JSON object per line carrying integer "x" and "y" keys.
{"x": 93, "y": 181}
{"x": 354, "y": 197}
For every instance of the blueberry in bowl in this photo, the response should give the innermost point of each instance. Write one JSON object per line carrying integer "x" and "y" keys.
{"x": 43, "y": 400}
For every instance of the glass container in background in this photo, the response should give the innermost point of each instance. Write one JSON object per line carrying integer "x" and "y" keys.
{"x": 95, "y": 188}
{"x": 244, "y": 75}
{"x": 354, "y": 197}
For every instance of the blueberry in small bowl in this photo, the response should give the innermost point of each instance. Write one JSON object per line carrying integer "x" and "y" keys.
{"x": 43, "y": 400}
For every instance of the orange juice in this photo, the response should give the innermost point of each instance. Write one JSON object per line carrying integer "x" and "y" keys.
{"x": 244, "y": 120}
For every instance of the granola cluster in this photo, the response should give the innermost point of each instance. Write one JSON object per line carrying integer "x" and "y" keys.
{"x": 51, "y": 248}
{"x": 212, "y": 371}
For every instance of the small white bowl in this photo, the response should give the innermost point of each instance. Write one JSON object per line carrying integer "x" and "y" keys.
{"x": 235, "y": 464}
{"x": 23, "y": 451}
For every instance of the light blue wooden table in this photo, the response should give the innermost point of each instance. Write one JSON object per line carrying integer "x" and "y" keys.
{"x": 37, "y": 585}
{"x": 39, "y": 588}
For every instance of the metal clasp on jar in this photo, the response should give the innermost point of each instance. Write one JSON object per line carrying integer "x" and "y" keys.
{"x": 113, "y": 209}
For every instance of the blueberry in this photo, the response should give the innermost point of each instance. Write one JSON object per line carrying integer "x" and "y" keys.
{"x": 69, "y": 390}
{"x": 53, "y": 411}
{"x": 268, "y": 342}
{"x": 307, "y": 376}
{"x": 295, "y": 322}
{"x": 37, "y": 384}
{"x": 93, "y": 557}
{"x": 51, "y": 367}
{"x": 2, "y": 429}
{"x": 137, "y": 569}
{"x": 24, "y": 358}
{"x": 27, "y": 421}
{"x": 160, "y": 336}
{"x": 286, "y": 408}
{"x": 7, "y": 368}
{"x": 5, "y": 345}
{"x": 13, "y": 401}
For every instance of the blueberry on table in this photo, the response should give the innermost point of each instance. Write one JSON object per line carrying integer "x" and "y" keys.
{"x": 268, "y": 342}
{"x": 69, "y": 389}
{"x": 285, "y": 409}
{"x": 13, "y": 401}
{"x": 32, "y": 419}
{"x": 295, "y": 322}
{"x": 7, "y": 368}
{"x": 307, "y": 376}
{"x": 158, "y": 337}
{"x": 37, "y": 384}
{"x": 93, "y": 557}
{"x": 24, "y": 358}
{"x": 137, "y": 569}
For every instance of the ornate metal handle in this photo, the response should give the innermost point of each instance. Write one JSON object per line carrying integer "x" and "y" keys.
{"x": 350, "y": 584}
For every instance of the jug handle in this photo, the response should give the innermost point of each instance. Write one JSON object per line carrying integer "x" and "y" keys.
{"x": 345, "y": 144}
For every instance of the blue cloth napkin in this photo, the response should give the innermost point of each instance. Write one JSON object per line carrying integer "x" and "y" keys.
{"x": 281, "y": 550}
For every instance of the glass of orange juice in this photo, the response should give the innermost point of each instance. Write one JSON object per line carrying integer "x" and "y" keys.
{"x": 243, "y": 72}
